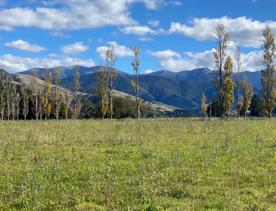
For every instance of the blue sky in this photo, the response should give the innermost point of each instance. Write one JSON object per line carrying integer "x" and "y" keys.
{"x": 173, "y": 34}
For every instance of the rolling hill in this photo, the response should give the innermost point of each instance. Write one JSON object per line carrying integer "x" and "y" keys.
{"x": 179, "y": 89}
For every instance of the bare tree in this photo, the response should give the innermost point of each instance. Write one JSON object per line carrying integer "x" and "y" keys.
{"x": 17, "y": 105}
{"x": 135, "y": 64}
{"x": 247, "y": 94}
{"x": 40, "y": 104}
{"x": 222, "y": 39}
{"x": 13, "y": 100}
{"x": 204, "y": 105}
{"x": 36, "y": 92}
{"x": 238, "y": 61}
{"x": 2, "y": 94}
{"x": 25, "y": 102}
{"x": 46, "y": 103}
{"x": 66, "y": 103}
{"x": 8, "y": 97}
{"x": 111, "y": 74}
{"x": 57, "y": 93}
{"x": 77, "y": 98}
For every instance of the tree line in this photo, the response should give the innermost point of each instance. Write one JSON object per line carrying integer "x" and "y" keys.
{"x": 243, "y": 100}
{"x": 46, "y": 99}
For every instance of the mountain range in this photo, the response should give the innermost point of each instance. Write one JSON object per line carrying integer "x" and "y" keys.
{"x": 182, "y": 90}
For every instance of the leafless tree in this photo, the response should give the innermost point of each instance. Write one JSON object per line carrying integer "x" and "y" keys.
{"x": 57, "y": 94}
{"x": 25, "y": 102}
{"x": 238, "y": 61}
{"x": 111, "y": 75}
{"x": 135, "y": 64}
{"x": 76, "y": 103}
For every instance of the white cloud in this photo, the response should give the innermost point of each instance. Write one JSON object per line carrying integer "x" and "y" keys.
{"x": 24, "y": 46}
{"x": 137, "y": 30}
{"x": 72, "y": 14}
{"x": 148, "y": 71}
{"x": 166, "y": 54}
{"x": 154, "y": 23}
{"x": 15, "y": 63}
{"x": 251, "y": 61}
{"x": 75, "y": 48}
{"x": 120, "y": 50}
{"x": 247, "y": 32}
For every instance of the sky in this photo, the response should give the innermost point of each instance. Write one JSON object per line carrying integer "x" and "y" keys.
{"x": 173, "y": 35}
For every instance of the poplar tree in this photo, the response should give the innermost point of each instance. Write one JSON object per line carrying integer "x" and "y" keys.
{"x": 57, "y": 94}
{"x": 13, "y": 101}
{"x": 238, "y": 61}
{"x": 2, "y": 94}
{"x": 111, "y": 75}
{"x": 17, "y": 105}
{"x": 36, "y": 94}
{"x": 228, "y": 86}
{"x": 204, "y": 106}
{"x": 102, "y": 94}
{"x": 77, "y": 99}
{"x": 135, "y": 64}
{"x": 46, "y": 103}
{"x": 66, "y": 103}
{"x": 267, "y": 78}
{"x": 8, "y": 97}
{"x": 247, "y": 94}
{"x": 222, "y": 39}
{"x": 25, "y": 102}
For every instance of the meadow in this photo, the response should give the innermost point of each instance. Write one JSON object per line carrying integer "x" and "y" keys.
{"x": 166, "y": 164}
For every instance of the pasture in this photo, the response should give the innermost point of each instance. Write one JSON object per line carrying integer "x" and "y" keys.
{"x": 166, "y": 164}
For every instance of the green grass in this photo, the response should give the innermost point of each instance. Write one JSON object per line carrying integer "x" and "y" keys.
{"x": 146, "y": 165}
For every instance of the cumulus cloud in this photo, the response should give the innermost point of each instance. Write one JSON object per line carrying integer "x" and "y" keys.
{"x": 251, "y": 61}
{"x": 120, "y": 50}
{"x": 137, "y": 30}
{"x": 15, "y": 63}
{"x": 153, "y": 23}
{"x": 166, "y": 54}
{"x": 247, "y": 32}
{"x": 75, "y": 48}
{"x": 72, "y": 14}
{"x": 24, "y": 46}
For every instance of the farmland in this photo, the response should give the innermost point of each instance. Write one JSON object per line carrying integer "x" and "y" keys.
{"x": 166, "y": 164}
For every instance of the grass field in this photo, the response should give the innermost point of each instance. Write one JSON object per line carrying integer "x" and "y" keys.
{"x": 146, "y": 165}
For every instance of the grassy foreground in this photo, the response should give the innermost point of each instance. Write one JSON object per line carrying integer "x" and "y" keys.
{"x": 145, "y": 165}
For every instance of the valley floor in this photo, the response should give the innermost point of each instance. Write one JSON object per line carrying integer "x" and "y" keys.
{"x": 180, "y": 164}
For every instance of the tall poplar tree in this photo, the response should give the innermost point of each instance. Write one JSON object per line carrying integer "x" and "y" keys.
{"x": 222, "y": 39}
{"x": 111, "y": 75}
{"x": 228, "y": 86}
{"x": 136, "y": 64}
{"x": 268, "y": 79}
